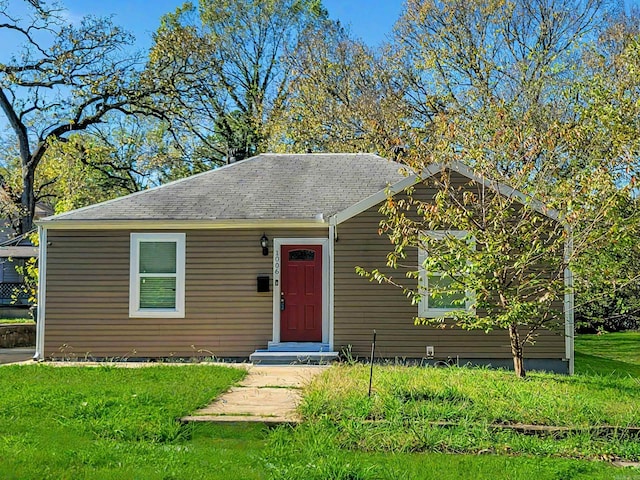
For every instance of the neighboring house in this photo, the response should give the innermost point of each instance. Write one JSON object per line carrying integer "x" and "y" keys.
{"x": 254, "y": 259}
{"x": 15, "y": 251}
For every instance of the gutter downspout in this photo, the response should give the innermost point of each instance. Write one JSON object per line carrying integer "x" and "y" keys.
{"x": 42, "y": 283}
{"x": 569, "y": 330}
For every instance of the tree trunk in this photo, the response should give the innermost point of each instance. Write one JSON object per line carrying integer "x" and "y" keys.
{"x": 27, "y": 201}
{"x": 516, "y": 351}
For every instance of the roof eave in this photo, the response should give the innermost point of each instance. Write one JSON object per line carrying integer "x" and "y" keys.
{"x": 180, "y": 224}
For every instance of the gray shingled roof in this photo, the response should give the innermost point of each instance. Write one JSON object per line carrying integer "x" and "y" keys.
{"x": 268, "y": 186}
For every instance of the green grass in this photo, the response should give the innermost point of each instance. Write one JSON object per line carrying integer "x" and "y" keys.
{"x": 110, "y": 422}
{"x": 407, "y": 401}
{"x": 10, "y": 321}
{"x": 621, "y": 346}
{"x": 409, "y": 404}
{"x": 115, "y": 423}
{"x": 617, "y": 353}
{"x": 349, "y": 436}
{"x": 313, "y": 452}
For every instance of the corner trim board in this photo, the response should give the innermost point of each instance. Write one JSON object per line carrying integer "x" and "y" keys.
{"x": 569, "y": 327}
{"x": 42, "y": 293}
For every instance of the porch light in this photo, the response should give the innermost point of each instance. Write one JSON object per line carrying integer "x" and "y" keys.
{"x": 264, "y": 243}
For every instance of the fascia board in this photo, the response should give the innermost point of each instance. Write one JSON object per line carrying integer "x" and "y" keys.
{"x": 178, "y": 224}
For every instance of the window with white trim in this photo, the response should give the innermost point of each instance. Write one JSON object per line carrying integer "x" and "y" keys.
{"x": 157, "y": 276}
{"x": 436, "y": 301}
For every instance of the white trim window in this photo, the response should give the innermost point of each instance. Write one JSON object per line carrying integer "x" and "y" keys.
{"x": 435, "y": 305}
{"x": 157, "y": 275}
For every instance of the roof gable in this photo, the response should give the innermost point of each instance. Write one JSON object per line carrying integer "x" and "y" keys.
{"x": 432, "y": 170}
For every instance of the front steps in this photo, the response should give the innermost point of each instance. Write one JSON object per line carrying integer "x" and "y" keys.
{"x": 294, "y": 353}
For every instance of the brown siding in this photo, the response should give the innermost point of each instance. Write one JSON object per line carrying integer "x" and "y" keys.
{"x": 87, "y": 304}
{"x": 362, "y": 306}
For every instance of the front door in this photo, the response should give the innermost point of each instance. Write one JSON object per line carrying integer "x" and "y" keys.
{"x": 301, "y": 293}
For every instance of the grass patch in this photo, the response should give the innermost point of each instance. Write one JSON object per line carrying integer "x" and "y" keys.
{"x": 600, "y": 366}
{"x": 115, "y": 423}
{"x": 410, "y": 404}
{"x": 472, "y": 395}
{"x": 110, "y": 422}
{"x": 349, "y": 436}
{"x": 11, "y": 321}
{"x": 313, "y": 452}
{"x": 622, "y": 347}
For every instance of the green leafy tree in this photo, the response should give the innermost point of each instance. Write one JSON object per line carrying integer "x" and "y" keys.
{"x": 220, "y": 64}
{"x": 65, "y": 79}
{"x": 341, "y": 97}
{"x": 608, "y": 275}
{"x": 496, "y": 86}
{"x": 494, "y": 260}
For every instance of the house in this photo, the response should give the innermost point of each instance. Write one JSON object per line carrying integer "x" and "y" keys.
{"x": 253, "y": 259}
{"x": 15, "y": 252}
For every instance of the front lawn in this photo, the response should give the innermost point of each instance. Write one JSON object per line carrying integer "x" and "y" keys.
{"x": 109, "y": 422}
{"x": 462, "y": 412}
{"x": 117, "y": 423}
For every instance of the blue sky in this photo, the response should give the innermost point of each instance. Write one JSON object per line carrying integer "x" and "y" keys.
{"x": 370, "y": 20}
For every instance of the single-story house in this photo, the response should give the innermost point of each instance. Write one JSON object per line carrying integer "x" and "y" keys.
{"x": 254, "y": 259}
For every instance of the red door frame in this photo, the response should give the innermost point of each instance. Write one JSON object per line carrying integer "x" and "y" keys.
{"x": 301, "y": 293}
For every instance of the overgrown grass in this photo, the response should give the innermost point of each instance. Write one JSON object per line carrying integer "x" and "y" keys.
{"x": 110, "y": 422}
{"x": 461, "y": 410}
{"x": 313, "y": 452}
{"x": 472, "y": 395}
{"x": 409, "y": 404}
{"x": 114, "y": 423}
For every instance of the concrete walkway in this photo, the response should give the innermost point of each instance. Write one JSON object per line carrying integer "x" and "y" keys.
{"x": 268, "y": 394}
{"x": 16, "y": 355}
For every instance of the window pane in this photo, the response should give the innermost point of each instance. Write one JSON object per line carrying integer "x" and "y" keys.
{"x": 443, "y": 299}
{"x": 301, "y": 255}
{"x": 158, "y": 292}
{"x": 157, "y": 257}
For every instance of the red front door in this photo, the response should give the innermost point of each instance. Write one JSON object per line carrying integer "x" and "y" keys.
{"x": 301, "y": 293}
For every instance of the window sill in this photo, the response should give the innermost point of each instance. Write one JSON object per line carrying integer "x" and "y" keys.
{"x": 156, "y": 314}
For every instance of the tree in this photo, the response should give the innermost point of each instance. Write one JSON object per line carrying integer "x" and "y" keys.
{"x": 64, "y": 80}
{"x": 608, "y": 276}
{"x": 220, "y": 65}
{"x": 493, "y": 261}
{"x": 341, "y": 97}
{"x": 123, "y": 156}
{"x": 494, "y": 85}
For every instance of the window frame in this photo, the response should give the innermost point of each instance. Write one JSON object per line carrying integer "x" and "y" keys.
{"x": 424, "y": 310}
{"x": 134, "y": 275}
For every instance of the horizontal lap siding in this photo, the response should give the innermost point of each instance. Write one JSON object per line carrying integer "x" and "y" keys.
{"x": 87, "y": 304}
{"x": 362, "y": 306}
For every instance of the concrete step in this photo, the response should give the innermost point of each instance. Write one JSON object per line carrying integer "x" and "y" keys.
{"x": 298, "y": 347}
{"x": 265, "y": 357}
